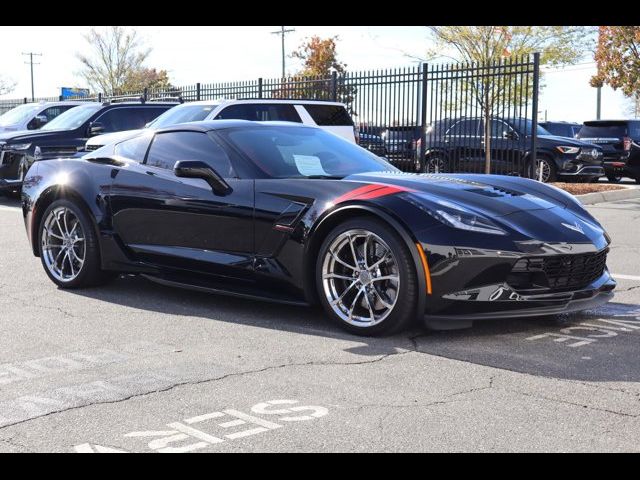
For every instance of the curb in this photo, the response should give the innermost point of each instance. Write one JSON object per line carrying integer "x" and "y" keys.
{"x": 610, "y": 196}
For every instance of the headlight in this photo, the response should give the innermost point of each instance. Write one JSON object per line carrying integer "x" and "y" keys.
{"x": 19, "y": 146}
{"x": 568, "y": 149}
{"x": 456, "y": 216}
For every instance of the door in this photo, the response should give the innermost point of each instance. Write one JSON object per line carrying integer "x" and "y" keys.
{"x": 463, "y": 144}
{"x": 504, "y": 148}
{"x": 179, "y": 223}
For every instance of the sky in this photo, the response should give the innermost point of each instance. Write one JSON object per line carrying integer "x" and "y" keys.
{"x": 214, "y": 54}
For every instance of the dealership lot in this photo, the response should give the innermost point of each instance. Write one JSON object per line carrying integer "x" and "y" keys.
{"x": 134, "y": 366}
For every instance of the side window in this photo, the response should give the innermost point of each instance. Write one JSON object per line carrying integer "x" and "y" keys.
{"x": 127, "y": 118}
{"x": 151, "y": 113}
{"x": 167, "y": 148}
{"x": 53, "y": 112}
{"x": 134, "y": 149}
{"x": 499, "y": 128}
{"x": 282, "y": 112}
{"x": 327, "y": 115}
{"x": 634, "y": 130}
{"x": 465, "y": 127}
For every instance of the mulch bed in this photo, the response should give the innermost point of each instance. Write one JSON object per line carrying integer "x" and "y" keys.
{"x": 582, "y": 188}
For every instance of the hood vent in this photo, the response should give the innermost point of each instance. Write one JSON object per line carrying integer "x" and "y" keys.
{"x": 495, "y": 192}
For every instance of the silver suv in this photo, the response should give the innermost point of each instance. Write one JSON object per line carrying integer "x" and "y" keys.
{"x": 32, "y": 116}
{"x": 331, "y": 116}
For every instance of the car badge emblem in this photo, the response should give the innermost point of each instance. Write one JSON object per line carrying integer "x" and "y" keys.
{"x": 575, "y": 227}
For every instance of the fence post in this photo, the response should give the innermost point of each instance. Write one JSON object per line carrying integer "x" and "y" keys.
{"x": 60, "y": 98}
{"x": 100, "y": 97}
{"x": 260, "y": 87}
{"x": 198, "y": 91}
{"x": 25, "y": 100}
{"x": 534, "y": 108}
{"x": 145, "y": 93}
{"x": 334, "y": 86}
{"x": 423, "y": 119}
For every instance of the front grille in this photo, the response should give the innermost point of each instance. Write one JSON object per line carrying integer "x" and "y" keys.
{"x": 558, "y": 272}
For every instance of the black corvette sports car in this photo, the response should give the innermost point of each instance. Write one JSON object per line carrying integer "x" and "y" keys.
{"x": 297, "y": 215}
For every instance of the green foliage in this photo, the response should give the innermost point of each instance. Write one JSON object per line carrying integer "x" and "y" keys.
{"x": 618, "y": 59}
{"x": 116, "y": 52}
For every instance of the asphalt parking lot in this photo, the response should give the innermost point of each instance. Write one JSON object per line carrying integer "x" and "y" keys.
{"x": 134, "y": 366}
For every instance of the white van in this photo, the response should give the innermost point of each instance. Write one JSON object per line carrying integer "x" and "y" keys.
{"x": 32, "y": 116}
{"x": 330, "y": 116}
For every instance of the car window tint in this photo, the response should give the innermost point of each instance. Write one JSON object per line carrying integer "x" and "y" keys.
{"x": 260, "y": 112}
{"x": 328, "y": 115}
{"x": 134, "y": 149}
{"x": 53, "y": 112}
{"x": 499, "y": 128}
{"x": 168, "y": 148}
{"x": 634, "y": 130}
{"x": 127, "y": 118}
{"x": 465, "y": 127}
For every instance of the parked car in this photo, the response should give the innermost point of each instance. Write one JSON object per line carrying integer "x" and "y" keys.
{"x": 330, "y": 116}
{"x": 374, "y": 143}
{"x": 67, "y": 133}
{"x": 562, "y": 129}
{"x": 293, "y": 214}
{"x": 401, "y": 141}
{"x": 32, "y": 116}
{"x": 620, "y": 142}
{"x": 458, "y": 144}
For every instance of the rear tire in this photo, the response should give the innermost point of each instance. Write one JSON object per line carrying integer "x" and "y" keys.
{"x": 68, "y": 246}
{"x": 614, "y": 178}
{"x": 374, "y": 293}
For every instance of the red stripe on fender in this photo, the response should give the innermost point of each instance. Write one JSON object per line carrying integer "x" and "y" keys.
{"x": 389, "y": 190}
{"x": 358, "y": 191}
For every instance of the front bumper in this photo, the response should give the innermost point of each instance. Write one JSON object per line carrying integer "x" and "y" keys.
{"x": 9, "y": 185}
{"x": 585, "y": 171}
{"x": 499, "y": 301}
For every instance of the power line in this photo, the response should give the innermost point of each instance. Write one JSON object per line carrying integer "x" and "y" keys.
{"x": 282, "y": 32}
{"x": 30, "y": 62}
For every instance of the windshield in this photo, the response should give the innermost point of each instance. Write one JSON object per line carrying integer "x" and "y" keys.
{"x": 182, "y": 114}
{"x": 72, "y": 118}
{"x": 303, "y": 152}
{"x": 17, "y": 115}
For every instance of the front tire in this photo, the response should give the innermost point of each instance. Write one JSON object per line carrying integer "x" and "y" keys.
{"x": 366, "y": 279}
{"x": 68, "y": 246}
{"x": 434, "y": 164}
{"x": 614, "y": 178}
{"x": 549, "y": 170}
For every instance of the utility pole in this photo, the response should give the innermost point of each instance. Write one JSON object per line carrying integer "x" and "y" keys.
{"x": 282, "y": 32}
{"x": 30, "y": 62}
{"x": 598, "y": 102}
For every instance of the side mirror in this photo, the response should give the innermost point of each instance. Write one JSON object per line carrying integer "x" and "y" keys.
{"x": 510, "y": 135}
{"x": 40, "y": 120}
{"x": 95, "y": 128}
{"x": 197, "y": 169}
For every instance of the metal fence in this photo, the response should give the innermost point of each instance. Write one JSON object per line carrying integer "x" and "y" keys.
{"x": 458, "y": 117}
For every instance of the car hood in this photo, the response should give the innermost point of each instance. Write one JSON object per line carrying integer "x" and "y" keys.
{"x": 28, "y": 135}
{"x": 568, "y": 141}
{"x": 533, "y": 209}
{"x": 9, "y": 128}
{"x": 107, "y": 138}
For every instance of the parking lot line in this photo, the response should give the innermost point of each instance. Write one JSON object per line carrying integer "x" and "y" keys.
{"x": 625, "y": 277}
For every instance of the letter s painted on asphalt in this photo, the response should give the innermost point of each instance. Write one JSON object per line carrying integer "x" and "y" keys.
{"x": 264, "y": 409}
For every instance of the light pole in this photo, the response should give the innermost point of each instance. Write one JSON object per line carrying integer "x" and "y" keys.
{"x": 30, "y": 62}
{"x": 282, "y": 32}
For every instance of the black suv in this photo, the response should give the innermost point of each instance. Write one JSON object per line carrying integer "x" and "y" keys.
{"x": 562, "y": 129}
{"x": 67, "y": 133}
{"x": 457, "y": 145}
{"x": 620, "y": 142}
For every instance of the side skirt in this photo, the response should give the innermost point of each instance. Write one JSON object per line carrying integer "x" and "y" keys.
{"x": 249, "y": 294}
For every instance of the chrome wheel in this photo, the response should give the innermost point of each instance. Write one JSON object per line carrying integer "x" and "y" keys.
{"x": 546, "y": 170}
{"x": 434, "y": 165}
{"x": 360, "y": 278}
{"x": 63, "y": 244}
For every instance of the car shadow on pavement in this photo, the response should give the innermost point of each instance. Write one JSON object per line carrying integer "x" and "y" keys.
{"x": 598, "y": 345}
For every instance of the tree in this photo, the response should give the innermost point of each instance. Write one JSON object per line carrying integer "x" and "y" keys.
{"x": 484, "y": 45}
{"x": 150, "y": 78}
{"x": 116, "y": 53}
{"x": 617, "y": 58}
{"x": 314, "y": 80}
{"x": 7, "y": 85}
